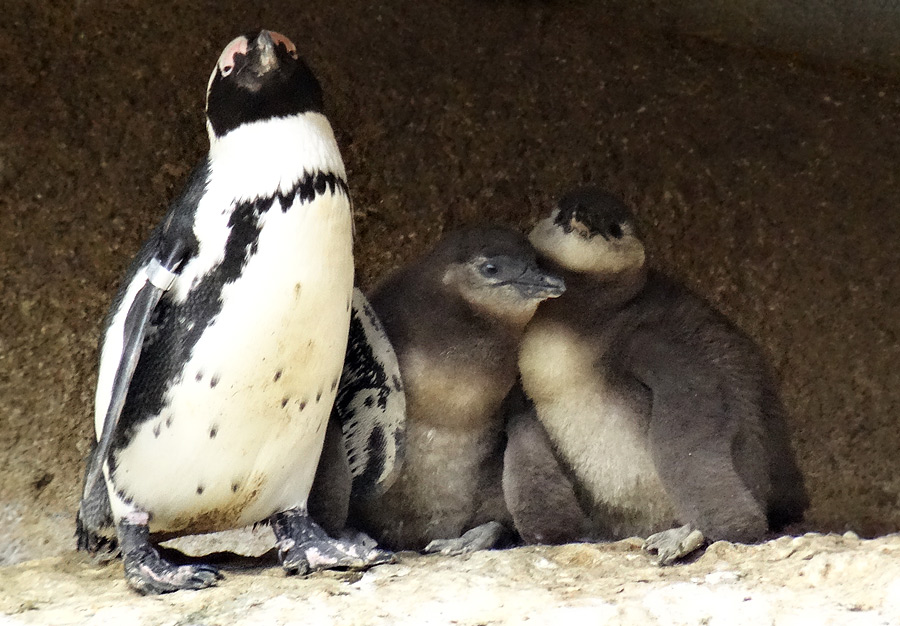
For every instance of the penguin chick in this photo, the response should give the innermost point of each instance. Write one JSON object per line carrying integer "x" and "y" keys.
{"x": 663, "y": 414}
{"x": 222, "y": 350}
{"x": 538, "y": 492}
{"x": 455, "y": 318}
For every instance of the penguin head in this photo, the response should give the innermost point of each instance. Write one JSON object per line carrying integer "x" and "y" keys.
{"x": 257, "y": 77}
{"x": 590, "y": 231}
{"x": 495, "y": 272}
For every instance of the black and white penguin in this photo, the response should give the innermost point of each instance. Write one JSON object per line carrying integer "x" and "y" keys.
{"x": 454, "y": 317}
{"x": 222, "y": 351}
{"x": 663, "y": 415}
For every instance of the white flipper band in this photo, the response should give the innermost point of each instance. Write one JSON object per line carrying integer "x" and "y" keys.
{"x": 159, "y": 276}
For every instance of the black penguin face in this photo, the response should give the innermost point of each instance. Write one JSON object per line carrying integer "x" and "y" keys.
{"x": 589, "y": 212}
{"x": 257, "y": 77}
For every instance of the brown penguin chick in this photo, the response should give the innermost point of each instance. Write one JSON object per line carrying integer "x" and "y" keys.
{"x": 455, "y": 318}
{"x": 663, "y": 414}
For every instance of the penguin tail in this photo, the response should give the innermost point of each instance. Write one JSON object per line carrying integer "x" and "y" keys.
{"x": 94, "y": 529}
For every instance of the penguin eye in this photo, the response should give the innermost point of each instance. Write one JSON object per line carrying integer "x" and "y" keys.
{"x": 615, "y": 231}
{"x": 489, "y": 269}
{"x": 227, "y": 70}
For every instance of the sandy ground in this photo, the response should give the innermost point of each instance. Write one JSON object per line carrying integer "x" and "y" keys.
{"x": 766, "y": 183}
{"x": 810, "y": 580}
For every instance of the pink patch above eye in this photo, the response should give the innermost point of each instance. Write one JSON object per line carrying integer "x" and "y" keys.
{"x": 278, "y": 38}
{"x": 238, "y": 45}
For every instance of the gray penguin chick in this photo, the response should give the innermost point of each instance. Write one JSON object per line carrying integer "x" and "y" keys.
{"x": 455, "y": 318}
{"x": 663, "y": 415}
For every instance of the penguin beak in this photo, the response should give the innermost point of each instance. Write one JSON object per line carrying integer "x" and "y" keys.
{"x": 535, "y": 283}
{"x": 265, "y": 59}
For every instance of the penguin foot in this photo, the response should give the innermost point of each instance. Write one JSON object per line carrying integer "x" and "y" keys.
{"x": 674, "y": 544}
{"x": 148, "y": 573}
{"x": 481, "y": 537}
{"x": 304, "y": 547}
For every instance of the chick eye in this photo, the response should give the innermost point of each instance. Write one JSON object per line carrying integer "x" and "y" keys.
{"x": 489, "y": 269}
{"x": 615, "y": 231}
{"x": 227, "y": 70}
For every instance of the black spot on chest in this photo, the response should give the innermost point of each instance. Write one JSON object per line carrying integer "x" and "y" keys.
{"x": 176, "y": 327}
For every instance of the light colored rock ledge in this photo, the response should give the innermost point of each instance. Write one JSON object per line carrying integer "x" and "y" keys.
{"x": 812, "y": 579}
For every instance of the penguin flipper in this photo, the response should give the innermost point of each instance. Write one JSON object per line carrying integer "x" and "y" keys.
{"x": 371, "y": 404}
{"x": 788, "y": 499}
{"x": 132, "y": 340}
{"x": 156, "y": 265}
{"x": 693, "y": 435}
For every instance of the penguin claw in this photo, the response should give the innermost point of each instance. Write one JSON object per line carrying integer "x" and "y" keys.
{"x": 153, "y": 575}
{"x": 448, "y": 547}
{"x": 304, "y": 547}
{"x": 313, "y": 556}
{"x": 324, "y": 552}
{"x": 673, "y": 544}
{"x": 148, "y": 573}
{"x": 481, "y": 537}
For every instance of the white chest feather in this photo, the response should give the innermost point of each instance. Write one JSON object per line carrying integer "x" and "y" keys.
{"x": 597, "y": 425}
{"x": 242, "y": 428}
{"x": 271, "y": 156}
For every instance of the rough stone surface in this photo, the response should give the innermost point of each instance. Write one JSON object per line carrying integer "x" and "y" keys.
{"x": 821, "y": 580}
{"x": 837, "y": 32}
{"x": 768, "y": 184}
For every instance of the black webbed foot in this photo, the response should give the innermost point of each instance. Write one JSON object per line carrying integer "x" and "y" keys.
{"x": 674, "y": 544}
{"x": 148, "y": 573}
{"x": 303, "y": 546}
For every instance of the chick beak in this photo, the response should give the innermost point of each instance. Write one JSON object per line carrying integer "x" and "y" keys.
{"x": 535, "y": 283}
